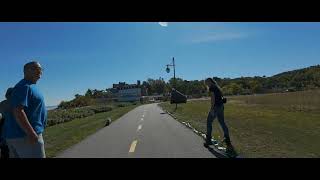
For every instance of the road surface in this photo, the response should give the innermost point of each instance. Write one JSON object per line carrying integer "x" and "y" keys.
{"x": 145, "y": 132}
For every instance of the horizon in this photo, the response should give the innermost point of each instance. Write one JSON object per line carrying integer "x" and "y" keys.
{"x": 51, "y": 106}
{"x": 81, "y": 56}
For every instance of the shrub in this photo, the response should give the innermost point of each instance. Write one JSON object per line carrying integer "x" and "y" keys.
{"x": 121, "y": 105}
{"x": 99, "y": 109}
{"x": 80, "y": 101}
{"x": 63, "y": 115}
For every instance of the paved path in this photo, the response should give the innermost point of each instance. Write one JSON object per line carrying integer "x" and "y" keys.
{"x": 145, "y": 132}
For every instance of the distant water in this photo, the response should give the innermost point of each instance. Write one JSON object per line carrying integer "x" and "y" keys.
{"x": 51, "y": 107}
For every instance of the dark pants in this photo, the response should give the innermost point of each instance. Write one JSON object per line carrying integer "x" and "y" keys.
{"x": 217, "y": 111}
{"x": 4, "y": 150}
{"x": 3, "y": 145}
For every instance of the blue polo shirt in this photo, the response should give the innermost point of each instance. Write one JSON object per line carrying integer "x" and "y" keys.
{"x": 26, "y": 94}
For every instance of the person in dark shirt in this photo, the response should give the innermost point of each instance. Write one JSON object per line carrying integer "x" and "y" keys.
{"x": 4, "y": 109}
{"x": 3, "y": 145}
{"x": 216, "y": 110}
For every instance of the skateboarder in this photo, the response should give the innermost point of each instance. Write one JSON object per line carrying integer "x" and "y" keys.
{"x": 216, "y": 110}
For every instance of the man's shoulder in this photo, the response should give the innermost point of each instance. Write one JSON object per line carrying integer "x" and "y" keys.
{"x": 21, "y": 85}
{"x": 21, "y": 82}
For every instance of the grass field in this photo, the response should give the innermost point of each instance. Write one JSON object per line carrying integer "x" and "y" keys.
{"x": 62, "y": 136}
{"x": 271, "y": 125}
{"x": 303, "y": 101}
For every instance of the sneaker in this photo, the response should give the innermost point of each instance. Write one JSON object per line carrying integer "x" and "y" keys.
{"x": 208, "y": 143}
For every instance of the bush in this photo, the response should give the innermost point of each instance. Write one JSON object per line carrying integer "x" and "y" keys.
{"x": 99, "y": 109}
{"x": 62, "y": 115}
{"x": 121, "y": 105}
{"x": 80, "y": 101}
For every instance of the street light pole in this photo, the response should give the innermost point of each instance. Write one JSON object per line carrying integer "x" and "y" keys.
{"x": 174, "y": 75}
{"x": 174, "y": 69}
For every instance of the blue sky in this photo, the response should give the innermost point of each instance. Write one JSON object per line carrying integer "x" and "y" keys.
{"x": 78, "y": 56}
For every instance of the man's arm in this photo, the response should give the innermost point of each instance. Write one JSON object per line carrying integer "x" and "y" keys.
{"x": 22, "y": 120}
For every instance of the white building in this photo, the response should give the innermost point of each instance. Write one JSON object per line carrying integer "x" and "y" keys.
{"x": 129, "y": 93}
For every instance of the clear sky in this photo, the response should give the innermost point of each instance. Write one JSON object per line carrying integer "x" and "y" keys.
{"x": 78, "y": 56}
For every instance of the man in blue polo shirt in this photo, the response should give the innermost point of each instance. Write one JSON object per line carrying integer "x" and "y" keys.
{"x": 25, "y": 124}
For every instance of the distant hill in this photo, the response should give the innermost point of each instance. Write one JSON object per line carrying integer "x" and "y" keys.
{"x": 296, "y": 80}
{"x": 300, "y": 79}
{"x": 311, "y": 69}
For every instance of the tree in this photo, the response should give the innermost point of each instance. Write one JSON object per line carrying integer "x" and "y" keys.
{"x": 62, "y": 105}
{"x": 89, "y": 93}
{"x": 179, "y": 84}
{"x": 232, "y": 89}
{"x": 156, "y": 86}
{"x": 77, "y": 96}
{"x": 97, "y": 93}
{"x": 159, "y": 86}
{"x": 255, "y": 86}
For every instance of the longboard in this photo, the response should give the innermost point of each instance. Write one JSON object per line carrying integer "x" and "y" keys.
{"x": 221, "y": 150}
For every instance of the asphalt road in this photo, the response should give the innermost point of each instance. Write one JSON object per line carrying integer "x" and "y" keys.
{"x": 145, "y": 132}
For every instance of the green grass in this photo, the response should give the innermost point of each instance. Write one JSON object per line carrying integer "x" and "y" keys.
{"x": 62, "y": 136}
{"x": 259, "y": 129}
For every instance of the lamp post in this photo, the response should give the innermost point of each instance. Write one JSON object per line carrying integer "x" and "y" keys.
{"x": 174, "y": 71}
{"x": 174, "y": 74}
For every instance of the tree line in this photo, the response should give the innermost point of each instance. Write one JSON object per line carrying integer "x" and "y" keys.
{"x": 297, "y": 80}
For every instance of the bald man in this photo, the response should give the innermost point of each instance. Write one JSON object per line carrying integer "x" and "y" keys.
{"x": 23, "y": 127}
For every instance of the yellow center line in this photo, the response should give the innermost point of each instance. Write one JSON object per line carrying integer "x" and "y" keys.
{"x": 133, "y": 146}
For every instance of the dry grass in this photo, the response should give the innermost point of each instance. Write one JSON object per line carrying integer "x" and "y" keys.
{"x": 306, "y": 101}
{"x": 271, "y": 125}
